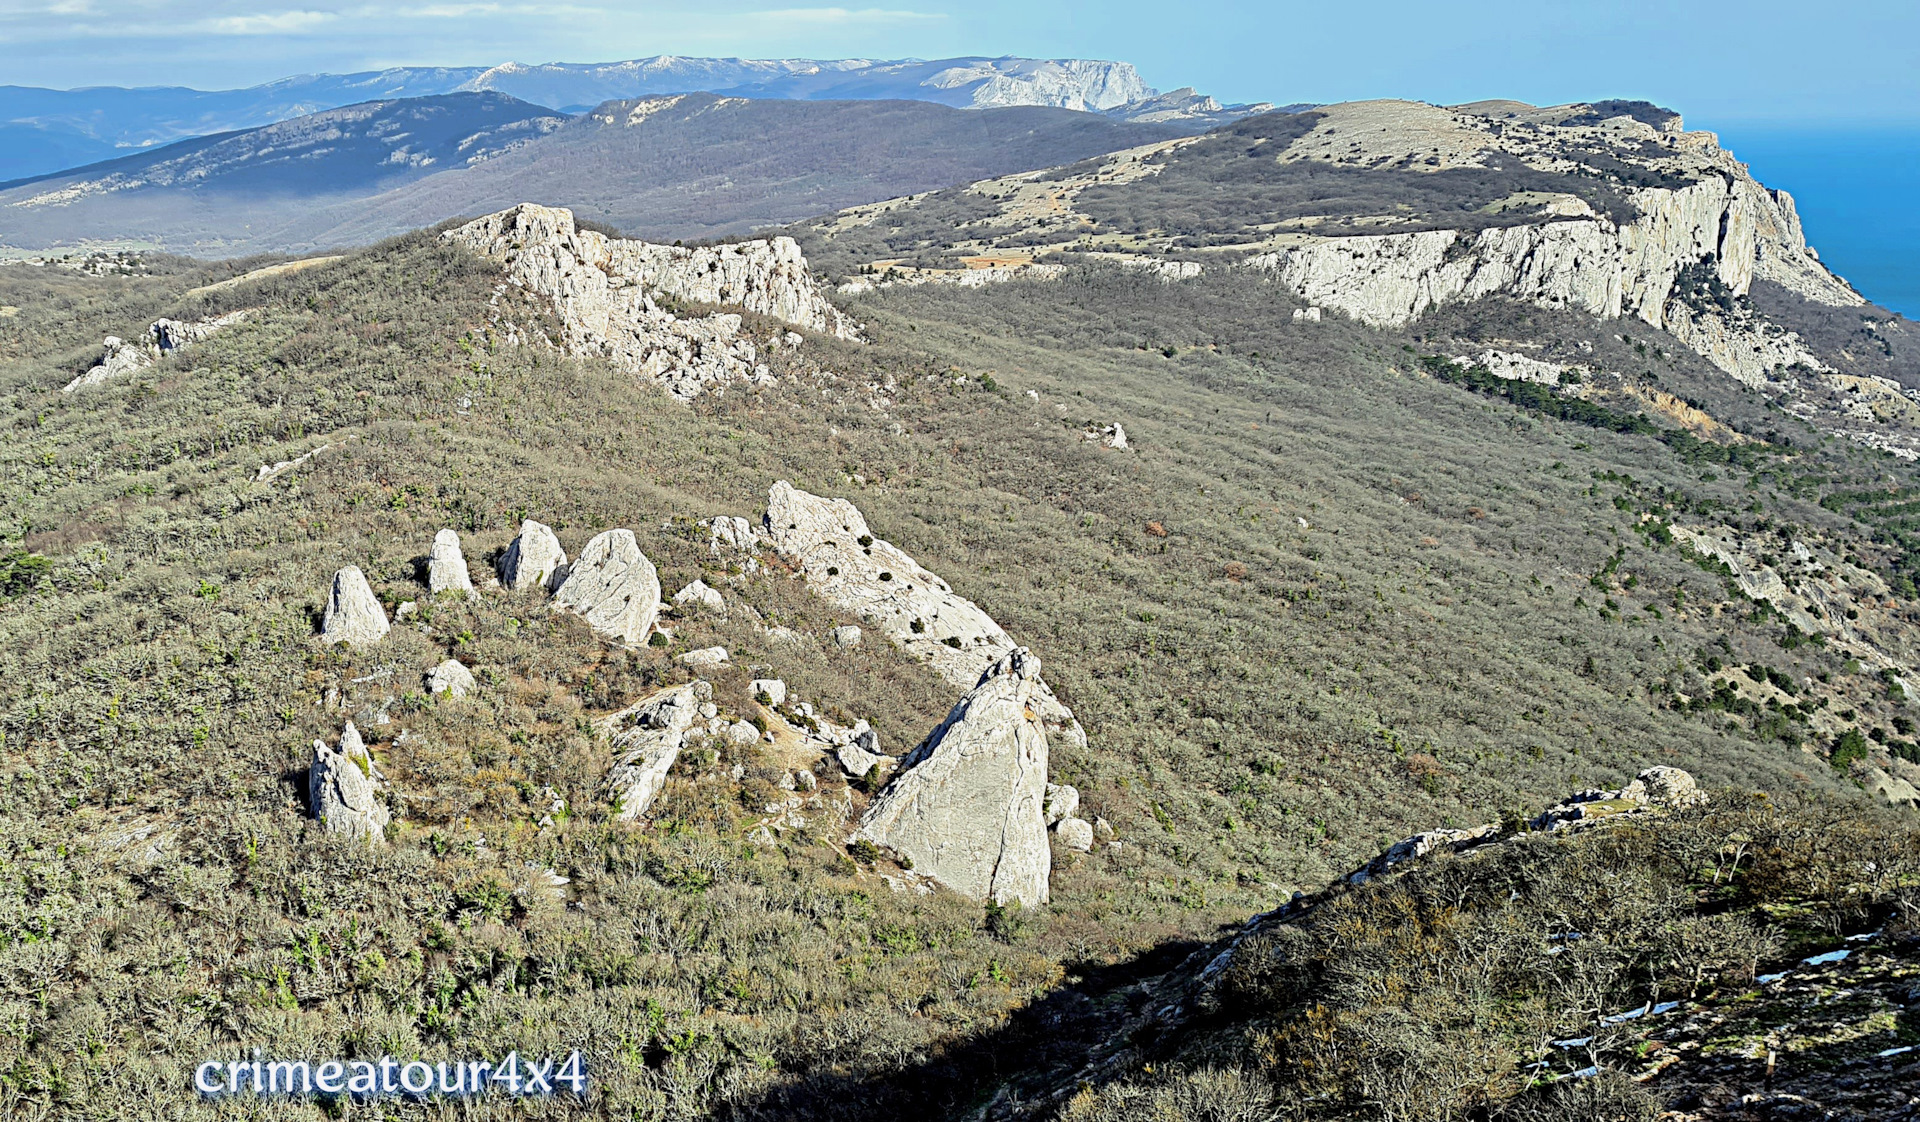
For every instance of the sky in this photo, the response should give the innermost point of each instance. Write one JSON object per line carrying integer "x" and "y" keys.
{"x": 1754, "y": 60}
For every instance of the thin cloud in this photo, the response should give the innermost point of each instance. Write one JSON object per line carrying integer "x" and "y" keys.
{"x": 276, "y": 23}
{"x": 838, "y": 16}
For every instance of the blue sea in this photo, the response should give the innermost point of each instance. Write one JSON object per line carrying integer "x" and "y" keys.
{"x": 1858, "y": 190}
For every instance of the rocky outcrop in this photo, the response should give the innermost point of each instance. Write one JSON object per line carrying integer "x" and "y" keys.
{"x": 124, "y": 356}
{"x": 699, "y": 596}
{"x": 353, "y": 614}
{"x": 612, "y": 294}
{"x": 842, "y": 561}
{"x": 342, "y": 789}
{"x": 968, "y": 806}
{"x": 533, "y": 559}
{"x": 1645, "y": 268}
{"x": 647, "y": 738}
{"x": 447, "y": 566}
{"x": 615, "y": 587}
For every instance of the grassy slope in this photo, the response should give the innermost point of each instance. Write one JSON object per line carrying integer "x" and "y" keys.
{"x": 1403, "y": 662}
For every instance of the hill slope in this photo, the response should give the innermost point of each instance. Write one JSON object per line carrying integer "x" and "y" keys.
{"x": 686, "y": 166}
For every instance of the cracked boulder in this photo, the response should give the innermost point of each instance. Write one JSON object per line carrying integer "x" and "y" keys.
{"x": 534, "y": 559}
{"x": 647, "y": 737}
{"x": 614, "y": 587}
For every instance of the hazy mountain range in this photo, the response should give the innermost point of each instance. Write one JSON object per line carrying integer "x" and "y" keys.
{"x": 44, "y": 130}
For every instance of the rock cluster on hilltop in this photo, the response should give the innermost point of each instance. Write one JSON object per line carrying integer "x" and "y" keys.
{"x": 969, "y": 805}
{"x": 611, "y": 294}
{"x": 842, "y": 561}
{"x": 124, "y": 356}
{"x": 343, "y": 788}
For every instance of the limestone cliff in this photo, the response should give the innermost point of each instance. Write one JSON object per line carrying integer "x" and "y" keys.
{"x": 609, "y": 294}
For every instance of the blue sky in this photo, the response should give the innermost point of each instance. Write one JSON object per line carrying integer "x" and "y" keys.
{"x": 1755, "y": 60}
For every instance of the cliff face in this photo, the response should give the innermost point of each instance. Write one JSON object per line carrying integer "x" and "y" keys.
{"x": 1721, "y": 234}
{"x": 603, "y": 291}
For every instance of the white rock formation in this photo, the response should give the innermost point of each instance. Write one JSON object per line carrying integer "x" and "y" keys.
{"x": 1061, "y": 802}
{"x": 615, "y": 587}
{"x": 353, "y": 615}
{"x": 700, "y": 596}
{"x": 647, "y": 737}
{"x": 342, "y": 789}
{"x": 706, "y": 658}
{"x": 603, "y": 291}
{"x": 450, "y": 678}
{"x": 447, "y": 566}
{"x": 1075, "y": 833}
{"x": 124, "y": 356}
{"x": 726, "y": 533}
{"x": 534, "y": 559}
{"x": 845, "y": 564}
{"x": 1514, "y": 367}
{"x": 846, "y": 637}
{"x": 773, "y": 689}
{"x": 1738, "y": 227}
{"x": 968, "y": 804}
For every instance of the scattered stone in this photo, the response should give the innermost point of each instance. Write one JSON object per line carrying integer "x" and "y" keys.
{"x": 856, "y": 760}
{"x": 1075, "y": 833}
{"x": 342, "y": 789}
{"x": 1102, "y": 829}
{"x": 846, "y": 637}
{"x": 615, "y": 587}
{"x": 706, "y": 658}
{"x": 647, "y": 737}
{"x": 406, "y": 608}
{"x": 743, "y": 733}
{"x": 773, "y": 689}
{"x": 447, "y": 566}
{"x": 1306, "y": 315}
{"x": 805, "y": 781}
{"x": 270, "y": 472}
{"x": 534, "y": 559}
{"x": 451, "y": 678}
{"x": 726, "y": 533}
{"x": 1061, "y": 802}
{"x": 1420, "y": 845}
{"x": 699, "y": 596}
{"x": 966, "y": 807}
{"x": 354, "y": 615}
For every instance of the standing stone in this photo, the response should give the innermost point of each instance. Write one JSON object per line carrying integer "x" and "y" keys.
{"x": 447, "y": 566}
{"x": 450, "y": 678}
{"x": 341, "y": 789}
{"x": 354, "y": 614}
{"x": 534, "y": 559}
{"x": 968, "y": 806}
{"x": 615, "y": 587}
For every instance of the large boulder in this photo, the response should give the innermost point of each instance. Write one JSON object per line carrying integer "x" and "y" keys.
{"x": 968, "y": 806}
{"x": 647, "y": 737}
{"x": 354, "y": 615}
{"x": 534, "y": 559}
{"x": 615, "y": 587}
{"x": 447, "y": 566}
{"x": 452, "y": 679}
{"x": 342, "y": 789}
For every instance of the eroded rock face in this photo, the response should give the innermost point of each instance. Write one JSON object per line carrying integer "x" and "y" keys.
{"x": 614, "y": 587}
{"x": 1738, "y": 228}
{"x": 968, "y": 804}
{"x": 447, "y": 566}
{"x": 604, "y": 292}
{"x": 845, "y": 564}
{"x": 342, "y": 789}
{"x": 647, "y": 737}
{"x": 354, "y": 615}
{"x": 534, "y": 559}
{"x": 124, "y": 356}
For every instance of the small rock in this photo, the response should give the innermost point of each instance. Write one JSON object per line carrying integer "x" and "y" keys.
{"x": 354, "y": 615}
{"x": 699, "y": 596}
{"x": 731, "y": 533}
{"x": 743, "y": 733}
{"x": 1061, "y": 801}
{"x": 406, "y": 608}
{"x": 846, "y": 636}
{"x": 805, "y": 780}
{"x": 534, "y": 559}
{"x": 1102, "y": 828}
{"x": 447, "y": 566}
{"x": 706, "y": 658}
{"x": 773, "y": 689}
{"x": 856, "y": 760}
{"x": 781, "y": 634}
{"x": 1075, "y": 833}
{"x": 709, "y": 711}
{"x": 450, "y": 678}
